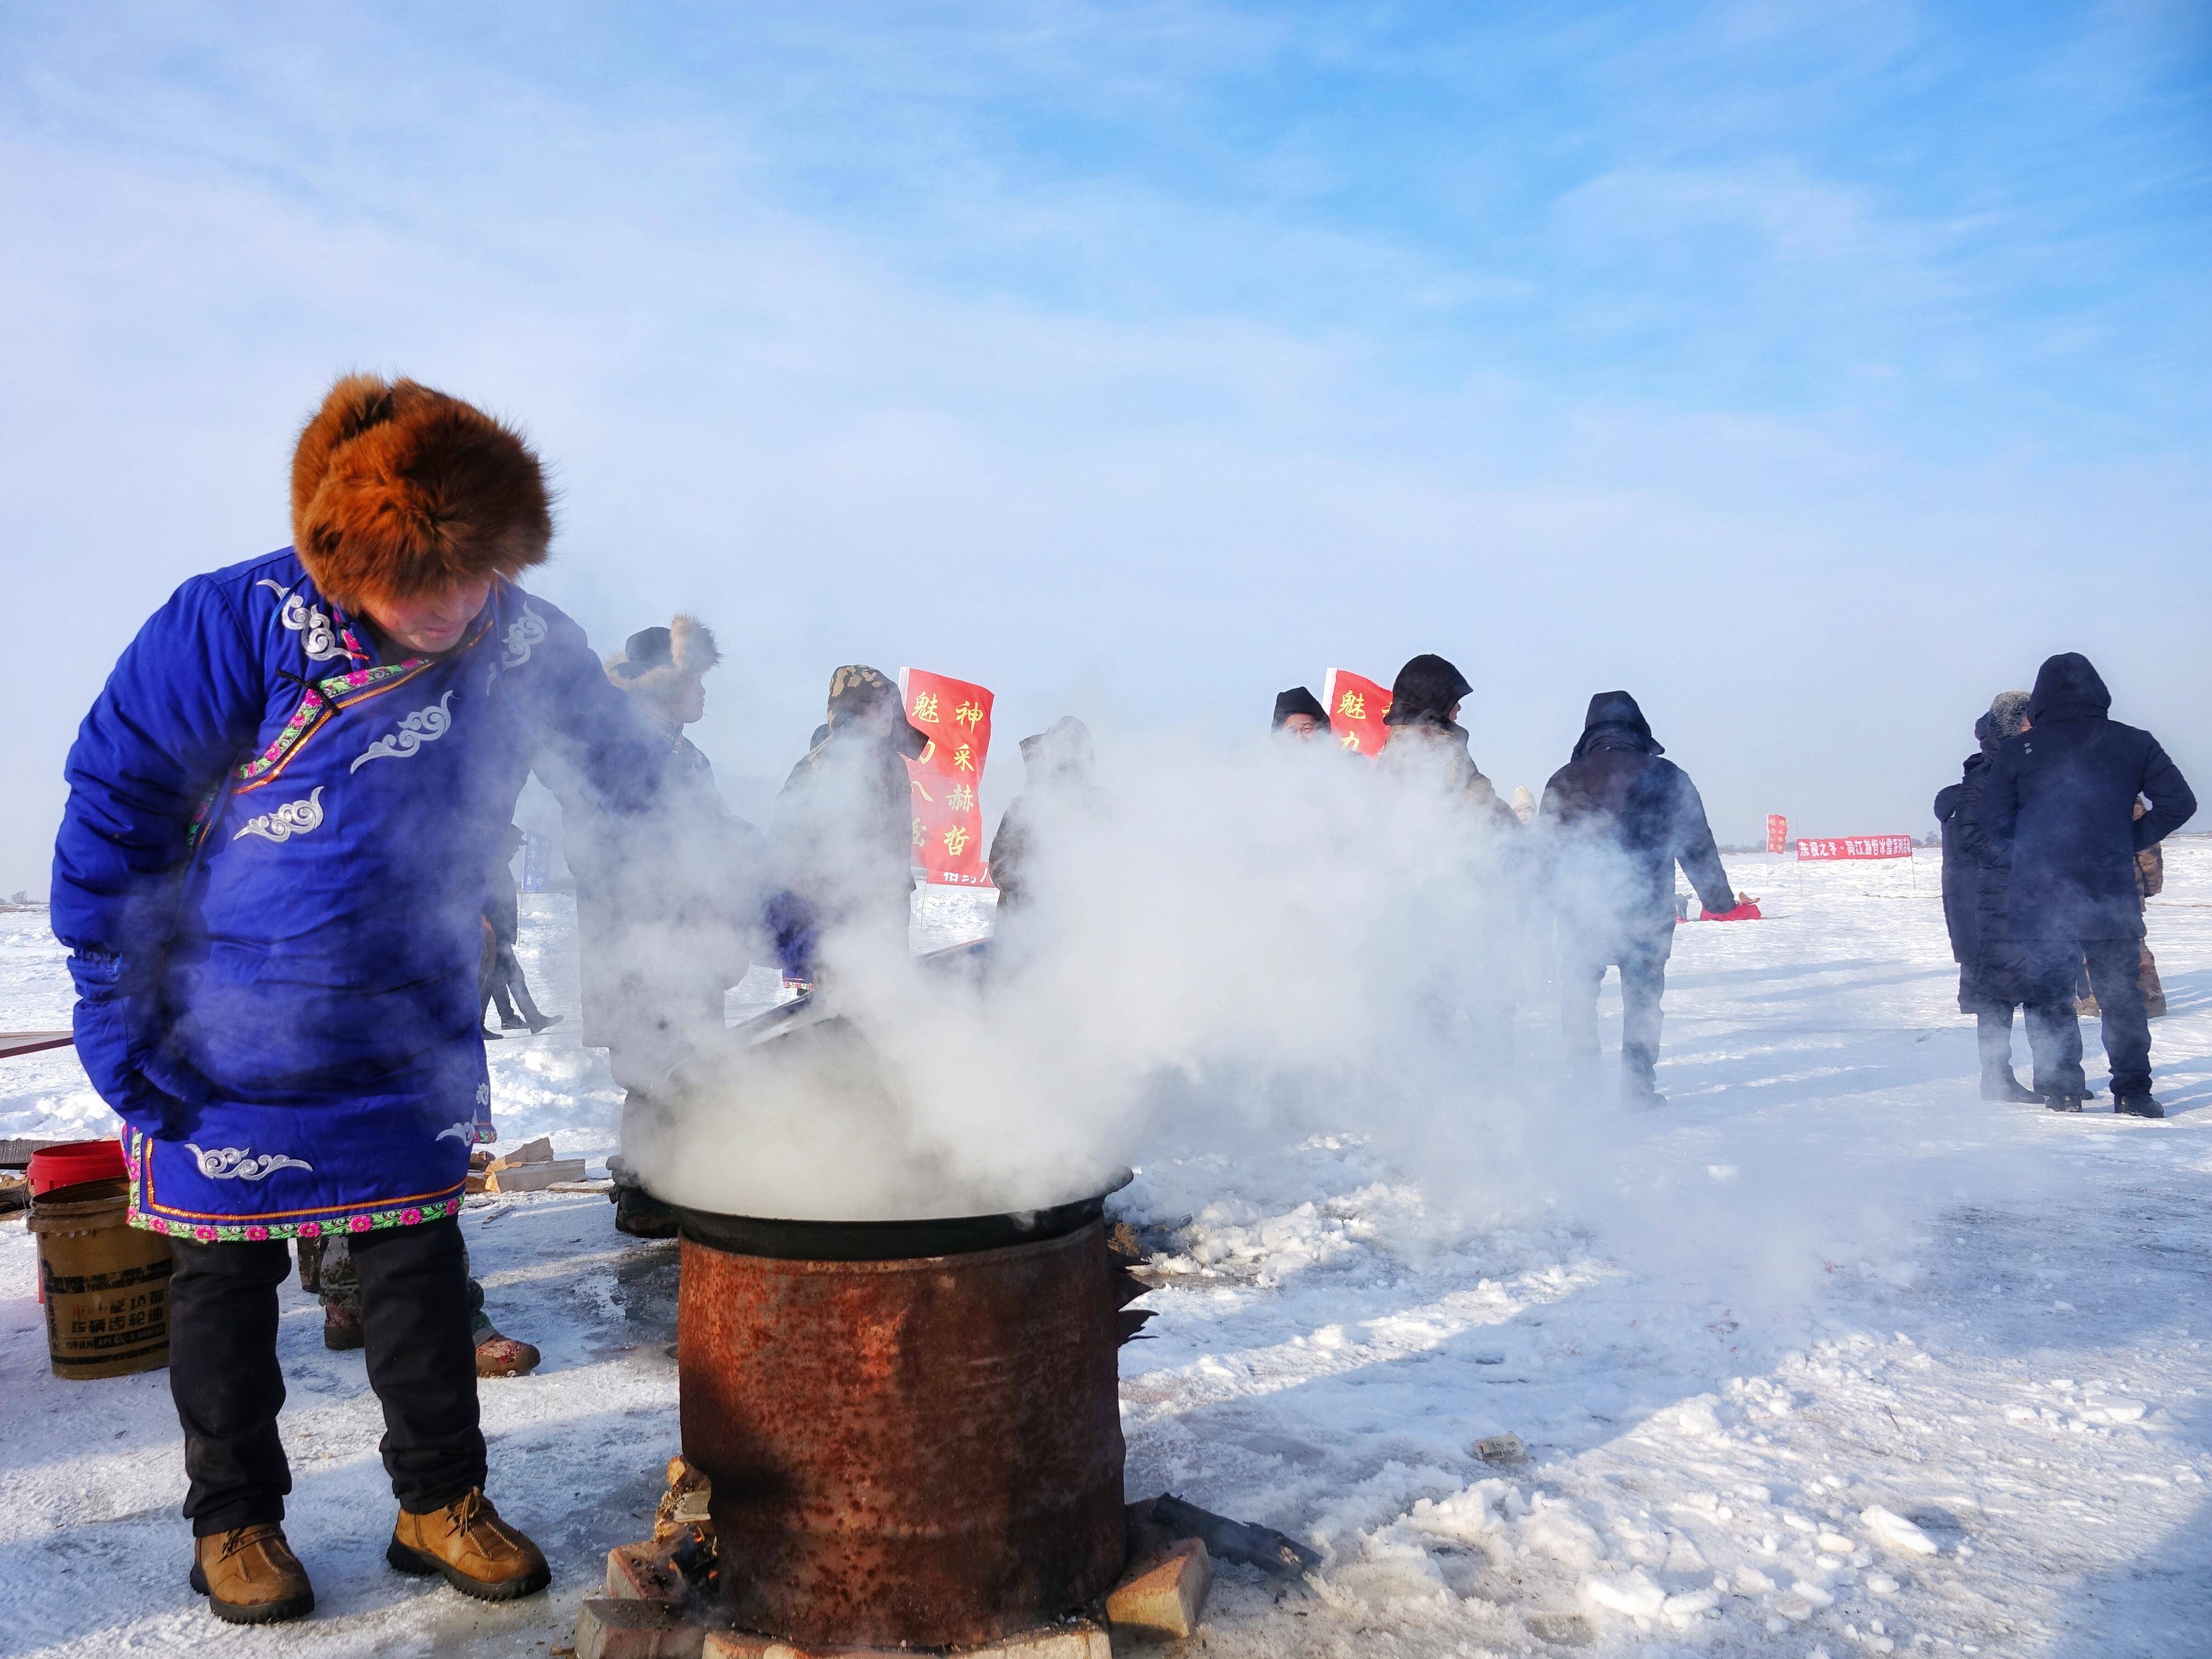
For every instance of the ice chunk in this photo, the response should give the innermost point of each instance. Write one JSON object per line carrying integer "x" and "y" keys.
{"x": 1632, "y": 1593}
{"x": 1555, "y": 1530}
{"x": 1835, "y": 1543}
{"x": 1881, "y": 1583}
{"x": 1682, "y": 1555}
{"x": 1892, "y": 1531}
{"x": 1812, "y": 1594}
{"x": 2117, "y": 1410}
{"x": 1688, "y": 1605}
{"x": 1750, "y": 1581}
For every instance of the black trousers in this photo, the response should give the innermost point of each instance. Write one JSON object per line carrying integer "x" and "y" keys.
{"x": 228, "y": 1387}
{"x": 1642, "y": 964}
{"x": 2054, "y": 1032}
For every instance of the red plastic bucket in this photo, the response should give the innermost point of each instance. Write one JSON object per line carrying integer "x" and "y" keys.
{"x": 76, "y": 1162}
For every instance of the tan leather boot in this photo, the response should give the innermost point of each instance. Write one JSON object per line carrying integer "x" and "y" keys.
{"x": 250, "y": 1576}
{"x": 502, "y": 1355}
{"x": 468, "y": 1545}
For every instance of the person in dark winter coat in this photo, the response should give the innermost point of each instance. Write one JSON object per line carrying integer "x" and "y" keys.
{"x": 842, "y": 842}
{"x": 1991, "y": 977}
{"x": 1060, "y": 785}
{"x": 652, "y": 985}
{"x": 2059, "y": 805}
{"x": 666, "y": 923}
{"x": 1299, "y": 714}
{"x": 1426, "y": 740}
{"x": 284, "y": 807}
{"x": 1618, "y": 819}
{"x": 503, "y": 981}
{"x": 1480, "y": 895}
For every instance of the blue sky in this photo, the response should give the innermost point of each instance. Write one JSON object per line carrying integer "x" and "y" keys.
{"x": 1811, "y": 371}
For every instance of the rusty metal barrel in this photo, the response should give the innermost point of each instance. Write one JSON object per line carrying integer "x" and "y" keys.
{"x": 913, "y": 1428}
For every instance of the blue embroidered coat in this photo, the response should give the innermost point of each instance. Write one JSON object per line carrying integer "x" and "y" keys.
{"x": 270, "y": 876}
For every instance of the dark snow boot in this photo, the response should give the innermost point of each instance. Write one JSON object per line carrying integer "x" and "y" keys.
{"x": 2057, "y": 1101}
{"x": 1993, "y": 1035}
{"x": 2137, "y": 1106}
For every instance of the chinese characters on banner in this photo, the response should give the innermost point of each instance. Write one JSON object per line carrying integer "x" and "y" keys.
{"x": 1356, "y": 707}
{"x": 1856, "y": 847}
{"x": 1777, "y": 833}
{"x": 948, "y": 817}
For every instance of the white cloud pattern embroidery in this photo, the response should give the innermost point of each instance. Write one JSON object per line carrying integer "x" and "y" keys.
{"x": 426, "y": 725}
{"x": 296, "y": 614}
{"x": 294, "y": 817}
{"x": 464, "y": 1132}
{"x": 526, "y": 631}
{"x": 238, "y": 1162}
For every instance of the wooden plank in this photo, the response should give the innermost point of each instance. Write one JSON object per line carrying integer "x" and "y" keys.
{"x": 16, "y": 1154}
{"x": 32, "y": 1042}
{"x": 539, "y": 1151}
{"x": 532, "y": 1177}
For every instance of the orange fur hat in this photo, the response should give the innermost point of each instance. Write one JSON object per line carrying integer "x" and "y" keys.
{"x": 398, "y": 490}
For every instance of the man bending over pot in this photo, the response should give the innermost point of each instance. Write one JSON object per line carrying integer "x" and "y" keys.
{"x": 284, "y": 810}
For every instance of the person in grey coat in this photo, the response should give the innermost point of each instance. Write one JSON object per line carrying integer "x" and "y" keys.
{"x": 1618, "y": 819}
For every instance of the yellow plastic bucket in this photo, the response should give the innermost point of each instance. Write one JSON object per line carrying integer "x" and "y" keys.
{"x": 106, "y": 1283}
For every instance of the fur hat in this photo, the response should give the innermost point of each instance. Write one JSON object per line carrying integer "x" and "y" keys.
{"x": 653, "y": 659}
{"x": 2008, "y": 709}
{"x": 398, "y": 490}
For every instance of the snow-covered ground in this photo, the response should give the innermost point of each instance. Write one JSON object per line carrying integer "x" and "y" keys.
{"x": 1829, "y": 1355}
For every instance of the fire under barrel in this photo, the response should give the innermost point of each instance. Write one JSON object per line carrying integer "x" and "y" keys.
{"x": 913, "y": 1428}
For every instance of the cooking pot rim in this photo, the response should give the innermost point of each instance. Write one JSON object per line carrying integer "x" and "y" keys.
{"x": 794, "y": 1239}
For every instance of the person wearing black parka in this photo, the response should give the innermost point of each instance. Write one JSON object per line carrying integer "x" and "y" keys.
{"x": 2059, "y": 805}
{"x": 1975, "y": 880}
{"x": 1617, "y": 819}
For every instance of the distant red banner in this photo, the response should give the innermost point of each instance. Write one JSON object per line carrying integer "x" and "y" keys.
{"x": 1356, "y": 707}
{"x": 948, "y": 815}
{"x": 1777, "y": 833}
{"x": 1856, "y": 847}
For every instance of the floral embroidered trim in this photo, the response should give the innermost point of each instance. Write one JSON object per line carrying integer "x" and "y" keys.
{"x": 321, "y": 640}
{"x": 201, "y": 813}
{"x": 426, "y": 725}
{"x": 326, "y": 697}
{"x": 293, "y": 818}
{"x": 228, "y": 1232}
{"x": 528, "y": 629}
{"x": 311, "y": 709}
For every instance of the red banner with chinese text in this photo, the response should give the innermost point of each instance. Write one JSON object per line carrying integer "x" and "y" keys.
{"x": 1855, "y": 846}
{"x": 1356, "y": 706}
{"x": 948, "y": 816}
{"x": 1777, "y": 833}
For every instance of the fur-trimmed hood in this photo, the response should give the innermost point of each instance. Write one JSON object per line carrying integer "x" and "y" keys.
{"x": 398, "y": 490}
{"x": 654, "y": 661}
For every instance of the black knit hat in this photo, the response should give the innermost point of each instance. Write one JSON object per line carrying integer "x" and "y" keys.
{"x": 1299, "y": 700}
